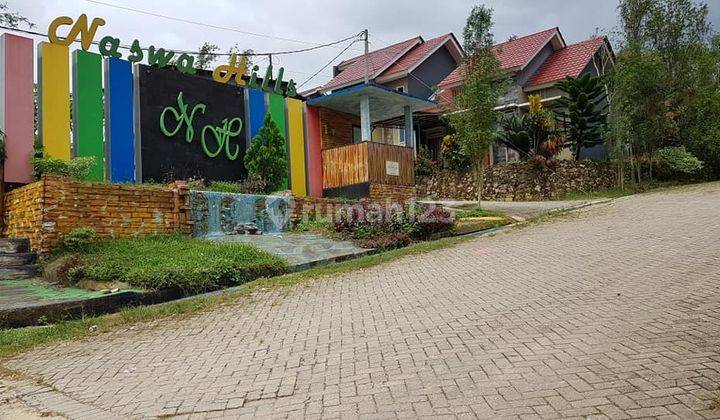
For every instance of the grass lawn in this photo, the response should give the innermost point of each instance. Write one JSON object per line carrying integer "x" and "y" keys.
{"x": 158, "y": 262}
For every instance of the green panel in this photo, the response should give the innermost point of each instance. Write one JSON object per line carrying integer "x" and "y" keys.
{"x": 88, "y": 110}
{"x": 277, "y": 111}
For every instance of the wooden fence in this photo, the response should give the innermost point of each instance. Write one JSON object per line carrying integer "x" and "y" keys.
{"x": 368, "y": 162}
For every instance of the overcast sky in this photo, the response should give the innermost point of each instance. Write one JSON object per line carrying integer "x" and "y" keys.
{"x": 321, "y": 21}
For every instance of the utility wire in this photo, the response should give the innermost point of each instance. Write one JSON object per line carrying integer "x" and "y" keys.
{"x": 127, "y": 47}
{"x": 328, "y": 63}
{"x": 224, "y": 28}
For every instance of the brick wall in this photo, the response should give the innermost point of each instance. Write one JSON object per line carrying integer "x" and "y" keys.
{"x": 336, "y": 128}
{"x": 45, "y": 210}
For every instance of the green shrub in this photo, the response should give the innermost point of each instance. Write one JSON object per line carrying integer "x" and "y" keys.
{"x": 75, "y": 168}
{"x": 452, "y": 154}
{"x": 417, "y": 223}
{"x": 676, "y": 162}
{"x": 225, "y": 186}
{"x": 266, "y": 156}
{"x": 79, "y": 239}
{"x": 158, "y": 262}
{"x": 424, "y": 164}
{"x": 323, "y": 226}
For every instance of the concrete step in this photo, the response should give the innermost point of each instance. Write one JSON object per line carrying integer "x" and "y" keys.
{"x": 19, "y": 272}
{"x": 13, "y": 246}
{"x": 14, "y": 260}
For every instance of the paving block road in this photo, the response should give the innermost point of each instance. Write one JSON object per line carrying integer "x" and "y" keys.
{"x": 612, "y": 311}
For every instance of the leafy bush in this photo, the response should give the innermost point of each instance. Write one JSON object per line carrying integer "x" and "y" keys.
{"x": 266, "y": 156}
{"x": 75, "y": 168}
{"x": 424, "y": 164}
{"x": 673, "y": 162}
{"x": 158, "y": 262}
{"x": 79, "y": 239}
{"x": 413, "y": 223}
{"x": 254, "y": 184}
{"x": 452, "y": 155}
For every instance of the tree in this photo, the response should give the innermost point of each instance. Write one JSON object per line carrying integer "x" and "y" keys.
{"x": 472, "y": 114}
{"x": 12, "y": 19}
{"x": 247, "y": 54}
{"x": 582, "y": 111}
{"x": 206, "y": 56}
{"x": 266, "y": 156}
{"x": 665, "y": 81}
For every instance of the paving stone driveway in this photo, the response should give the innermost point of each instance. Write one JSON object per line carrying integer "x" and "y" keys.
{"x": 612, "y": 312}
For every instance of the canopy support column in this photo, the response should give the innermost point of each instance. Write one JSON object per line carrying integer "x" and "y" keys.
{"x": 409, "y": 127}
{"x": 365, "y": 118}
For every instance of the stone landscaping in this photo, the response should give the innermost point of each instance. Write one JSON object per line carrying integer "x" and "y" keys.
{"x": 519, "y": 181}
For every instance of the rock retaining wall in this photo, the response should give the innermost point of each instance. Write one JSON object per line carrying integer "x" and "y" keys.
{"x": 519, "y": 181}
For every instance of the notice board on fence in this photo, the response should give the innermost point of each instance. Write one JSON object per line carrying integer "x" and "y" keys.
{"x": 189, "y": 127}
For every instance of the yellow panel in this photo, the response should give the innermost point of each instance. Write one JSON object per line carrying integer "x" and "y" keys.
{"x": 297, "y": 147}
{"x": 55, "y": 99}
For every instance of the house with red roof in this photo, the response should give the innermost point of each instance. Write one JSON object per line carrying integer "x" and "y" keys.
{"x": 535, "y": 64}
{"x": 412, "y": 67}
{"x": 379, "y": 109}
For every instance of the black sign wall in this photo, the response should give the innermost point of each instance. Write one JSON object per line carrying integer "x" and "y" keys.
{"x": 190, "y": 127}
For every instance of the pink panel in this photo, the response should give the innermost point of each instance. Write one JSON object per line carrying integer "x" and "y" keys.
{"x": 18, "y": 107}
{"x": 314, "y": 152}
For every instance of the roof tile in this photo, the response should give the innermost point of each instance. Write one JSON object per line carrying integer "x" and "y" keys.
{"x": 569, "y": 61}
{"x": 519, "y": 51}
{"x": 378, "y": 59}
{"x": 513, "y": 53}
{"x": 415, "y": 55}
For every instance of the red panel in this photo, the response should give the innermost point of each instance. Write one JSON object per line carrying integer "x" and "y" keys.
{"x": 314, "y": 152}
{"x": 18, "y": 107}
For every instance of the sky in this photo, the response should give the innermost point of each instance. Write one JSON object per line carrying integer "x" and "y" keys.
{"x": 280, "y": 25}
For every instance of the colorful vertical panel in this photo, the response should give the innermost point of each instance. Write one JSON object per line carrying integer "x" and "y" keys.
{"x": 54, "y": 76}
{"x": 256, "y": 113}
{"x": 313, "y": 141}
{"x": 119, "y": 128}
{"x": 88, "y": 110}
{"x": 17, "y": 106}
{"x": 277, "y": 110}
{"x": 276, "y": 103}
{"x": 296, "y": 139}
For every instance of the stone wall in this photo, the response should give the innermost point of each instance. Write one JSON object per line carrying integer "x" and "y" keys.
{"x": 46, "y": 210}
{"x": 519, "y": 181}
{"x": 397, "y": 193}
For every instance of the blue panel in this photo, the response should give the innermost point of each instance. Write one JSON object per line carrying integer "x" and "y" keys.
{"x": 119, "y": 120}
{"x": 257, "y": 110}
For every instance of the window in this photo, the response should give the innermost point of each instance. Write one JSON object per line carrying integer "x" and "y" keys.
{"x": 400, "y": 89}
{"x": 357, "y": 134}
